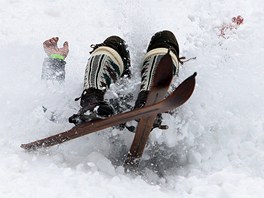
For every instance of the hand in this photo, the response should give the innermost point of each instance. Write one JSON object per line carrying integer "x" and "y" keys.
{"x": 51, "y": 47}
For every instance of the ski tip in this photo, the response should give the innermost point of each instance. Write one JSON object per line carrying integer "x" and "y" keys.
{"x": 194, "y": 74}
{"x": 28, "y": 147}
{"x": 163, "y": 72}
{"x": 182, "y": 93}
{"x": 24, "y": 146}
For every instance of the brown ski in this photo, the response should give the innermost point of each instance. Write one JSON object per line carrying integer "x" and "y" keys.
{"x": 184, "y": 91}
{"x": 159, "y": 87}
{"x": 181, "y": 94}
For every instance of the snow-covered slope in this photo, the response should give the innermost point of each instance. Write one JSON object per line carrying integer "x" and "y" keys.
{"x": 215, "y": 144}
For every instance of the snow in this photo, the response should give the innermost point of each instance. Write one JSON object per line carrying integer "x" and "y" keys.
{"x": 214, "y": 147}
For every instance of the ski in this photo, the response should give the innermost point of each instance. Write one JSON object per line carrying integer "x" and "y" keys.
{"x": 178, "y": 97}
{"x": 159, "y": 87}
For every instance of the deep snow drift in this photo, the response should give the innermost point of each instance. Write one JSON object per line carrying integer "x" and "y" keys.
{"x": 214, "y": 146}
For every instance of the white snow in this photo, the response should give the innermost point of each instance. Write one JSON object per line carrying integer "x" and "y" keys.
{"x": 214, "y": 147}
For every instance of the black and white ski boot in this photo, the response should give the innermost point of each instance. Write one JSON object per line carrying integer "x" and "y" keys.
{"x": 109, "y": 61}
{"x": 159, "y": 45}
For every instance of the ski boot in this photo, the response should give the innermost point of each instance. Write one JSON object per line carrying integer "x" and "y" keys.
{"x": 109, "y": 61}
{"x": 159, "y": 45}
